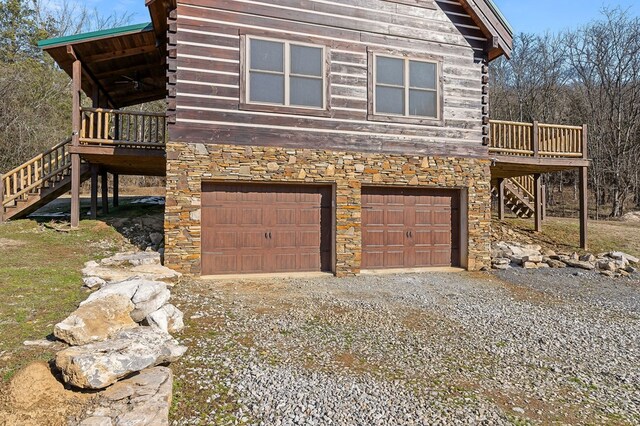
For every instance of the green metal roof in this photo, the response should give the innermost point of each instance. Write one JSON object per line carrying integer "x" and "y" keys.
{"x": 78, "y": 38}
{"x": 500, "y": 16}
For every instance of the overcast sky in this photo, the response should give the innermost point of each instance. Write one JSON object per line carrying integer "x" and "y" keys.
{"x": 531, "y": 16}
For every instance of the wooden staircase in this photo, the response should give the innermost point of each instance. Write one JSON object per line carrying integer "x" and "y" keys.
{"x": 37, "y": 182}
{"x": 518, "y": 195}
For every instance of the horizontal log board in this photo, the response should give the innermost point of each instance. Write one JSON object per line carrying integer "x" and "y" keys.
{"x": 205, "y": 85}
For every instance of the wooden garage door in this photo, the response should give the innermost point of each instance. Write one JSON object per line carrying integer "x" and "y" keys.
{"x": 409, "y": 228}
{"x": 265, "y": 228}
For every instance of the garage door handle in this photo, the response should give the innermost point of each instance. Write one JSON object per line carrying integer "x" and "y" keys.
{"x": 266, "y": 235}
{"x": 269, "y": 235}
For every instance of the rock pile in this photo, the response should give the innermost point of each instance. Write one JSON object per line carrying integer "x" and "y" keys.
{"x": 118, "y": 338}
{"x": 506, "y": 255}
{"x": 123, "y": 266}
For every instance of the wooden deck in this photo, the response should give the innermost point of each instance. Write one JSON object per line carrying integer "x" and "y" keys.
{"x": 521, "y": 149}
{"x": 522, "y": 152}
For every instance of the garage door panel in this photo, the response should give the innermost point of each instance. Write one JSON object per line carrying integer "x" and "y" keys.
{"x": 249, "y": 228}
{"x": 394, "y": 259}
{"x": 414, "y": 227}
{"x": 395, "y": 238}
{"x": 373, "y": 238}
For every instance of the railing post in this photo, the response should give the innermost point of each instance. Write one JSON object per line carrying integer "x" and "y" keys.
{"x": 535, "y": 138}
{"x": 585, "y": 146}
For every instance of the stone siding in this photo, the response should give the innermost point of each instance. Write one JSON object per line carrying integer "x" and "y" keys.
{"x": 188, "y": 165}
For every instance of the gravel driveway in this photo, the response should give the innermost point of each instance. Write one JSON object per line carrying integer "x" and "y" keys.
{"x": 518, "y": 347}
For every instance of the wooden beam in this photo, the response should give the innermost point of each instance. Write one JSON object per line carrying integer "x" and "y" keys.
{"x": 543, "y": 200}
{"x": 116, "y": 190}
{"x": 501, "y": 198}
{"x": 105, "y": 193}
{"x": 584, "y": 210}
{"x": 94, "y": 191}
{"x": 75, "y": 141}
{"x": 537, "y": 188}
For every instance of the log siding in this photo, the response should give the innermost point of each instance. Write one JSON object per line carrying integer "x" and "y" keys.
{"x": 207, "y": 91}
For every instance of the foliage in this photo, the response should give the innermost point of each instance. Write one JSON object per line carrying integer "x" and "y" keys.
{"x": 590, "y": 75}
{"x": 35, "y": 112}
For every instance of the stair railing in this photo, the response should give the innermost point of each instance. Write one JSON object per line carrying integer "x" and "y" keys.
{"x": 33, "y": 174}
{"x": 525, "y": 184}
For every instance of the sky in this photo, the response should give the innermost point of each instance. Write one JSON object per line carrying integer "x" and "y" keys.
{"x": 529, "y": 16}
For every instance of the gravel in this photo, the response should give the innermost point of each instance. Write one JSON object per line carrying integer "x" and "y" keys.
{"x": 547, "y": 346}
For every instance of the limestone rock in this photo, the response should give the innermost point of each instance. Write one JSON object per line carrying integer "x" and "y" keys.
{"x": 147, "y": 296}
{"x": 93, "y": 282}
{"x": 553, "y": 263}
{"x": 606, "y": 265}
{"x": 96, "y": 421}
{"x": 98, "y": 365}
{"x": 580, "y": 264}
{"x": 96, "y": 321}
{"x": 529, "y": 265}
{"x": 115, "y": 273}
{"x": 532, "y": 258}
{"x": 168, "y": 318}
{"x": 618, "y": 255}
{"x": 132, "y": 259}
{"x": 143, "y": 399}
{"x": 588, "y": 258}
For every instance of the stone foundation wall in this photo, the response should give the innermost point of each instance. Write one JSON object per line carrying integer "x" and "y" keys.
{"x": 188, "y": 165}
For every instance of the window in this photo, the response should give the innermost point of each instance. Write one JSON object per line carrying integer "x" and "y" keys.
{"x": 406, "y": 87}
{"x": 285, "y": 73}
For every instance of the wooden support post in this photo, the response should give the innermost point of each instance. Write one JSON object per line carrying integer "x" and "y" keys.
{"x": 535, "y": 138}
{"x": 94, "y": 191}
{"x": 116, "y": 190}
{"x": 584, "y": 210}
{"x": 501, "y": 198}
{"x": 1, "y": 199}
{"x": 75, "y": 158}
{"x": 105, "y": 193}
{"x": 543, "y": 201}
{"x": 537, "y": 192}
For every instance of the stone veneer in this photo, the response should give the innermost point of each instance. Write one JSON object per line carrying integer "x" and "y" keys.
{"x": 188, "y": 165}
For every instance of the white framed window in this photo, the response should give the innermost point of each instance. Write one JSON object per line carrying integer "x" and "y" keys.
{"x": 406, "y": 87}
{"x": 285, "y": 73}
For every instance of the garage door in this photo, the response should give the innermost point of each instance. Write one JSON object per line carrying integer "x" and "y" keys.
{"x": 265, "y": 229}
{"x": 409, "y": 228}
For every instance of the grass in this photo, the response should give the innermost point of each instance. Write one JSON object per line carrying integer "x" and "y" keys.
{"x": 564, "y": 234}
{"x": 40, "y": 282}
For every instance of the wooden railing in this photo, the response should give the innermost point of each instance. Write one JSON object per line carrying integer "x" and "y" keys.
{"x": 35, "y": 173}
{"x": 525, "y": 184}
{"x": 123, "y": 128}
{"x": 537, "y": 140}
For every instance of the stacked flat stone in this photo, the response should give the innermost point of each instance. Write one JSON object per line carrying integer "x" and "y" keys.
{"x": 506, "y": 255}
{"x": 117, "y": 339}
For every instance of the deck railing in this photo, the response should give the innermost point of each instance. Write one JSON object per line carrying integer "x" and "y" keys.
{"x": 37, "y": 172}
{"x": 537, "y": 140}
{"x": 123, "y": 128}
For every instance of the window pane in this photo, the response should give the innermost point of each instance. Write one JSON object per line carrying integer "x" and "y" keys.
{"x": 266, "y": 88}
{"x": 306, "y": 60}
{"x": 423, "y": 104}
{"x": 423, "y": 75}
{"x": 306, "y": 92}
{"x": 390, "y": 71}
{"x": 389, "y": 100}
{"x": 267, "y": 56}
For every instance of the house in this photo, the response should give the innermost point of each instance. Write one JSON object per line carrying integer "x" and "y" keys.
{"x": 304, "y": 136}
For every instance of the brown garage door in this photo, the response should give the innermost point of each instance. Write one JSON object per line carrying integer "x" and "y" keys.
{"x": 409, "y": 228}
{"x": 265, "y": 228}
